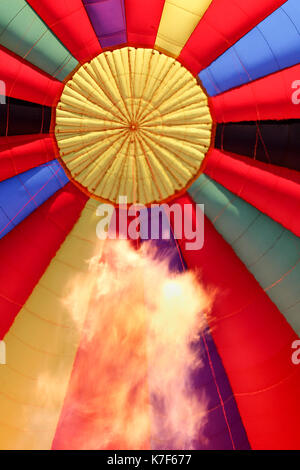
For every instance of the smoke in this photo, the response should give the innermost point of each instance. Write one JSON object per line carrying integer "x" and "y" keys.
{"x": 131, "y": 382}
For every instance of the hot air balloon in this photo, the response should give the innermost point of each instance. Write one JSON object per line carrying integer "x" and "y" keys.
{"x": 183, "y": 101}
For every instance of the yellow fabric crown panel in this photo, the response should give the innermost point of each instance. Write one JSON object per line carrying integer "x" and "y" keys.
{"x": 179, "y": 19}
{"x": 134, "y": 123}
{"x": 41, "y": 346}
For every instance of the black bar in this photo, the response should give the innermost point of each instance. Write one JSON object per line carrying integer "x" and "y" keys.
{"x": 19, "y": 117}
{"x": 276, "y": 142}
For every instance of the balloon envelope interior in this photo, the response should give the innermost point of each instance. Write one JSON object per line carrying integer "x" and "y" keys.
{"x": 170, "y": 105}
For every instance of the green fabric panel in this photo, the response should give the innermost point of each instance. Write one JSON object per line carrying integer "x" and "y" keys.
{"x": 218, "y": 199}
{"x": 270, "y": 252}
{"x": 280, "y": 258}
{"x": 284, "y": 291}
{"x": 24, "y": 33}
{"x": 294, "y": 317}
{"x": 262, "y": 245}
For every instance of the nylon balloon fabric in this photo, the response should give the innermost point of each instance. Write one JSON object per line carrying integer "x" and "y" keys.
{"x": 179, "y": 107}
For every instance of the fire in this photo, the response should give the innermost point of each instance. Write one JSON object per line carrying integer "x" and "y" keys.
{"x": 131, "y": 387}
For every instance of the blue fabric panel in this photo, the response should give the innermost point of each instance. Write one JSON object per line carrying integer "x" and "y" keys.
{"x": 24, "y": 193}
{"x": 273, "y": 45}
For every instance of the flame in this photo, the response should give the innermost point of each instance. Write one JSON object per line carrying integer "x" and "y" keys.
{"x": 130, "y": 387}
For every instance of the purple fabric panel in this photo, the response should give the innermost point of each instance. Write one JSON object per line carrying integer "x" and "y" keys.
{"x": 224, "y": 429}
{"x": 108, "y": 20}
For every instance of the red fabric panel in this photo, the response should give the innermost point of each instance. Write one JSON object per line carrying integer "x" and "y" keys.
{"x": 273, "y": 190}
{"x": 23, "y": 152}
{"x": 223, "y": 24}
{"x": 27, "y": 250}
{"x": 143, "y": 20}
{"x": 254, "y": 341}
{"x": 70, "y": 23}
{"x": 26, "y": 82}
{"x": 122, "y": 217}
{"x": 267, "y": 98}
